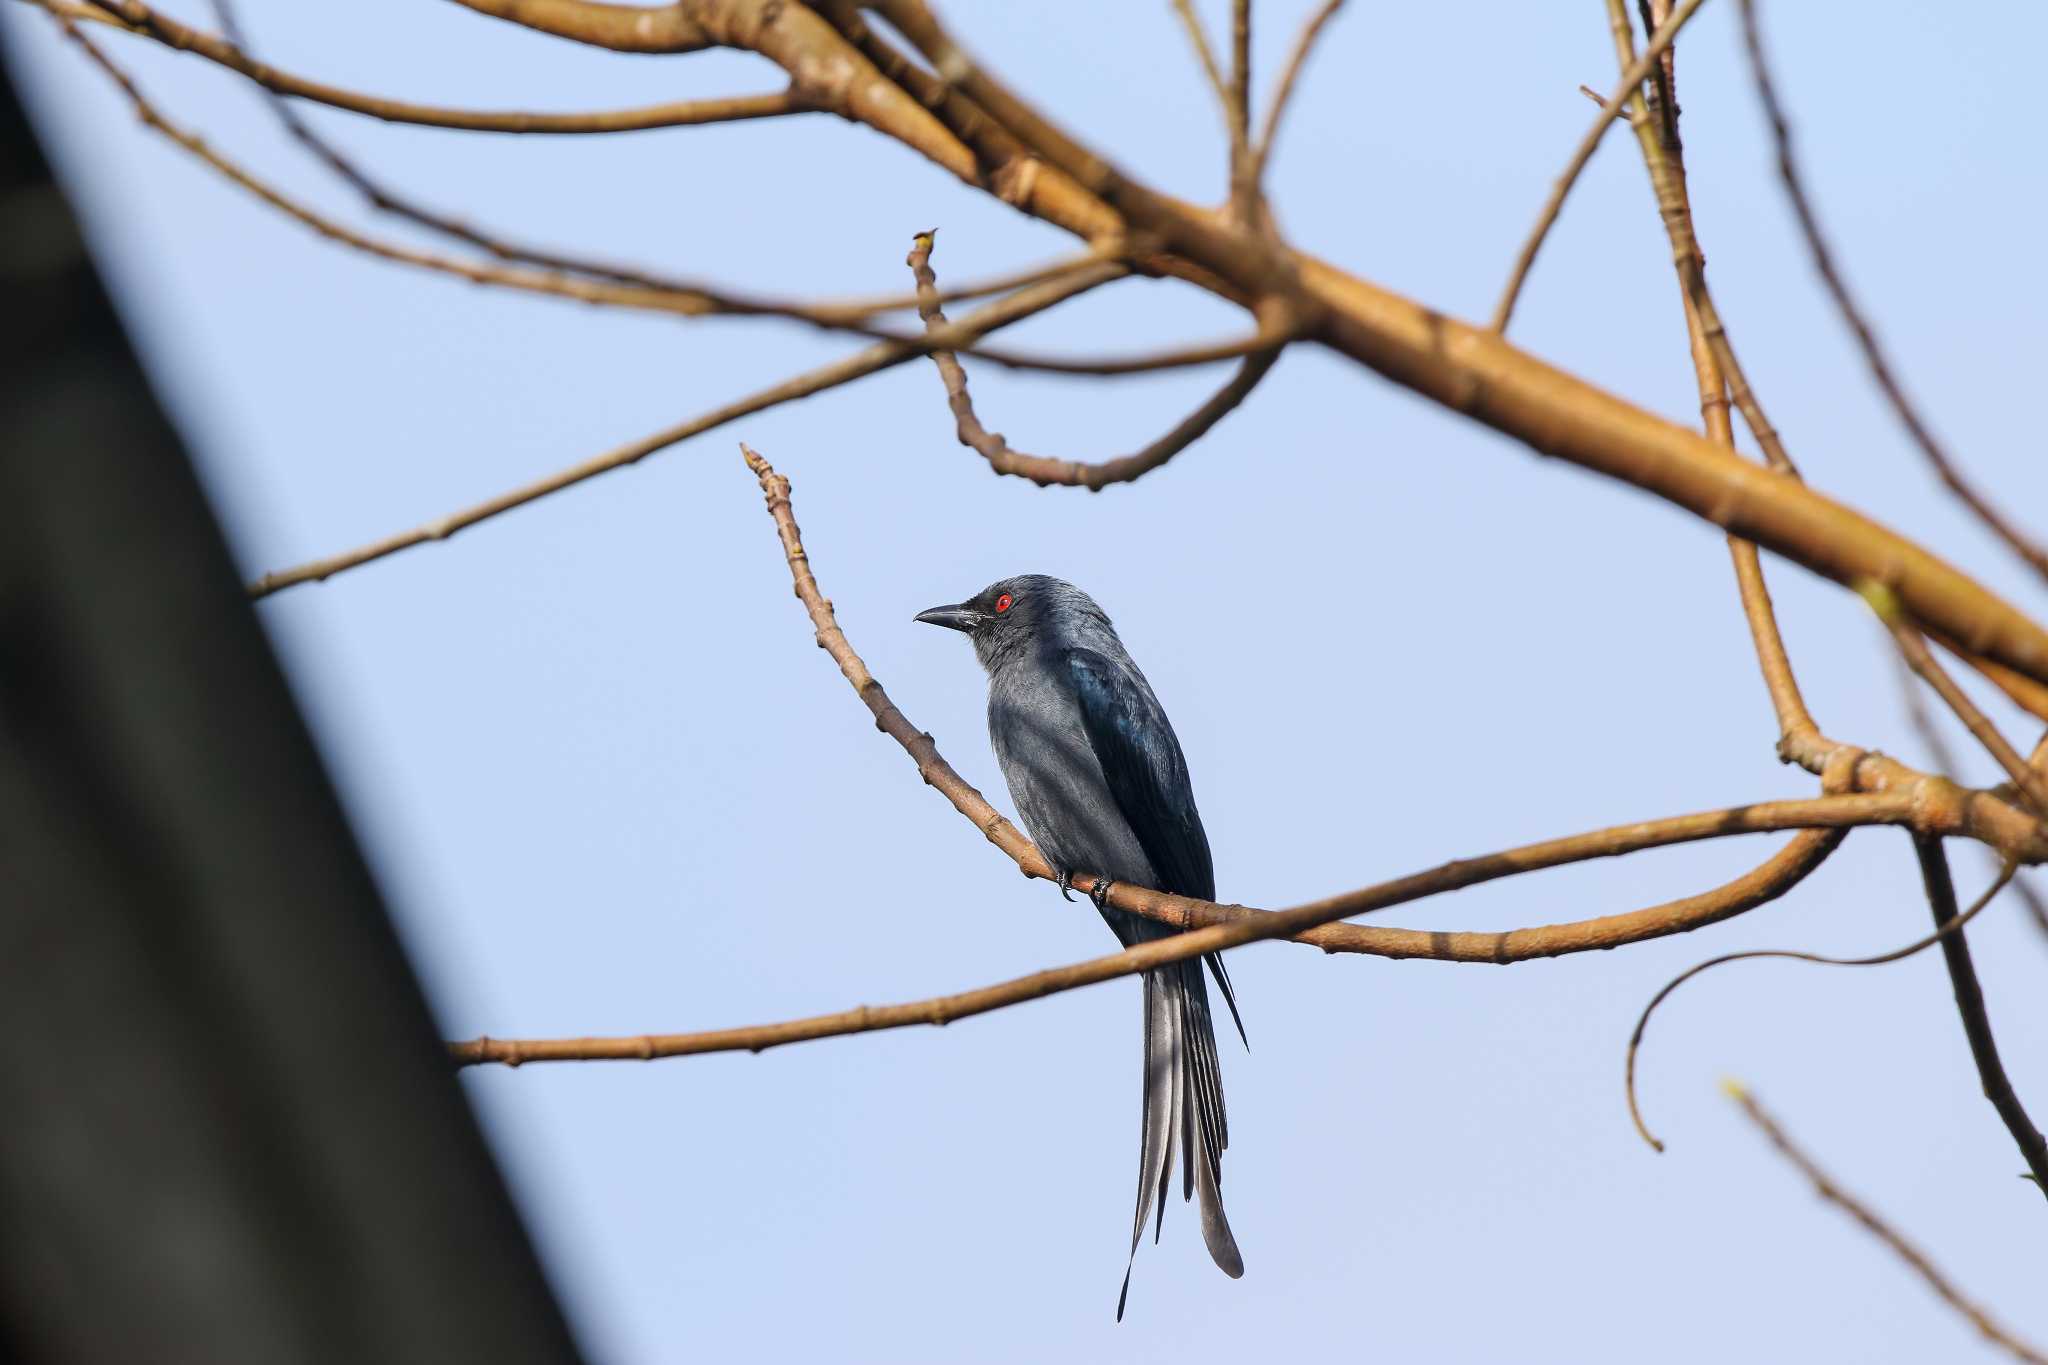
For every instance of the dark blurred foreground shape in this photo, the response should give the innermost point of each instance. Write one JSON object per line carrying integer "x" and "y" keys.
{"x": 227, "y": 1130}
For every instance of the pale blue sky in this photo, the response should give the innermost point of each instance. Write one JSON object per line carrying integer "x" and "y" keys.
{"x": 610, "y": 786}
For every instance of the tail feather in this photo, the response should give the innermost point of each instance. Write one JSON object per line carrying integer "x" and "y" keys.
{"x": 1183, "y": 1105}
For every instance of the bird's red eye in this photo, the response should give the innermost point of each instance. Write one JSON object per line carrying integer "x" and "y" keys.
{"x": 1002, "y": 604}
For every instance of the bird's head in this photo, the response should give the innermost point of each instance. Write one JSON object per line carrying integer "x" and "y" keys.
{"x": 1006, "y": 618}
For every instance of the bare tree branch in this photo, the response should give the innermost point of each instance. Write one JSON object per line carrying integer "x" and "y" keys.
{"x": 2032, "y": 784}
{"x": 131, "y": 16}
{"x": 1838, "y": 288}
{"x": 1664, "y": 158}
{"x": 1945, "y": 761}
{"x": 1827, "y": 1189}
{"x": 1962, "y": 975}
{"x": 1953, "y": 927}
{"x": 622, "y": 28}
{"x": 1470, "y": 370}
{"x": 1044, "y": 470}
{"x": 1226, "y": 926}
{"x": 1283, "y": 91}
{"x": 1624, "y": 93}
{"x": 1023, "y": 304}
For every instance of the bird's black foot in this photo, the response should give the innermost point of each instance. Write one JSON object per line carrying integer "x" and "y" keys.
{"x": 1064, "y": 880}
{"x": 1099, "y": 893}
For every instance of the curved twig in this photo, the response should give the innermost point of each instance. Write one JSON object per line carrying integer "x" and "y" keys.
{"x": 1044, "y": 470}
{"x": 1952, "y": 926}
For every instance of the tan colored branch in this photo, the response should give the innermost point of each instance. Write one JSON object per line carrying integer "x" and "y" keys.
{"x": 2030, "y": 781}
{"x": 1478, "y": 373}
{"x": 1023, "y": 304}
{"x": 622, "y": 28}
{"x": 132, "y": 16}
{"x": 1825, "y": 1186}
{"x": 1232, "y": 925}
{"x": 1909, "y": 417}
{"x": 1045, "y": 470}
{"x": 1624, "y": 95}
{"x": 1283, "y": 91}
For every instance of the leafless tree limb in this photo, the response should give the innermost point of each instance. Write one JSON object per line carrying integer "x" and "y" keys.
{"x": 134, "y": 17}
{"x": 874, "y": 359}
{"x": 1962, "y": 975}
{"x": 1283, "y": 91}
{"x": 1827, "y": 1189}
{"x": 1046, "y": 470}
{"x": 1624, "y": 93}
{"x": 1866, "y": 339}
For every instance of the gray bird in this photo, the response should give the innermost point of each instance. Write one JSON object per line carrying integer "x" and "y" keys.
{"x": 1099, "y": 782}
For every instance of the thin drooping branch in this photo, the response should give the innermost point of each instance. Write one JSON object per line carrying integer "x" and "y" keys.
{"x": 874, "y": 359}
{"x": 1952, "y": 928}
{"x": 1045, "y": 470}
{"x": 1825, "y": 1186}
{"x": 1623, "y": 96}
{"x": 134, "y": 17}
{"x": 1283, "y": 92}
{"x": 1874, "y": 356}
{"x": 1962, "y": 975}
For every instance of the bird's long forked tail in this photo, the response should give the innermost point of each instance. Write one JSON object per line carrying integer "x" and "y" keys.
{"x": 1183, "y": 1108}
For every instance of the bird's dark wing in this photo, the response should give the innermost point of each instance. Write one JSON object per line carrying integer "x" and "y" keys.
{"x": 1142, "y": 762}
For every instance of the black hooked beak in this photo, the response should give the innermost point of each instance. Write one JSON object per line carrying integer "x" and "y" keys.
{"x": 962, "y": 617}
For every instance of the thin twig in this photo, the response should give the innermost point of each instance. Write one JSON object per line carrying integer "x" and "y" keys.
{"x": 1023, "y": 304}
{"x": 1825, "y": 1186}
{"x": 1045, "y": 470}
{"x": 1838, "y": 288}
{"x": 1637, "y": 72}
{"x": 1283, "y": 91}
{"x": 617, "y": 287}
{"x": 621, "y": 28}
{"x": 1953, "y": 928}
{"x": 1198, "y": 38}
{"x": 1970, "y": 1007}
{"x": 131, "y": 16}
{"x": 1664, "y": 157}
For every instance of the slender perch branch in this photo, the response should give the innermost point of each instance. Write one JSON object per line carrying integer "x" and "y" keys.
{"x": 1044, "y": 470}
{"x": 622, "y": 28}
{"x": 1827, "y": 1189}
{"x": 1962, "y": 975}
